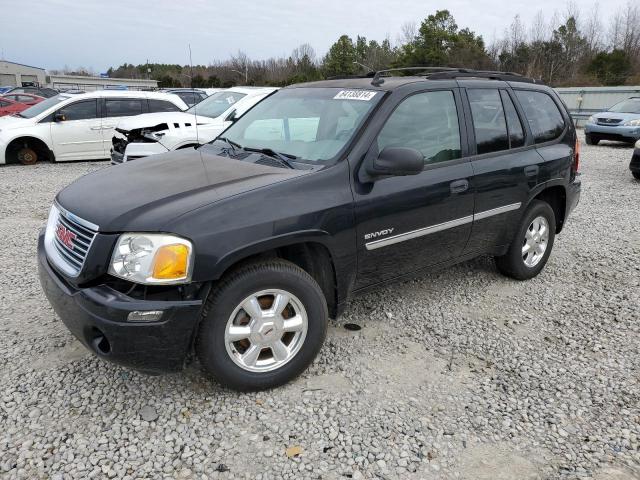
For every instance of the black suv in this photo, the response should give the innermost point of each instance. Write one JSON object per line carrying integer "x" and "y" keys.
{"x": 240, "y": 250}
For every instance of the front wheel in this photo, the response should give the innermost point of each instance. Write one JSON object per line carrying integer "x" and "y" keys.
{"x": 262, "y": 326}
{"x": 27, "y": 156}
{"x": 591, "y": 139}
{"x": 531, "y": 247}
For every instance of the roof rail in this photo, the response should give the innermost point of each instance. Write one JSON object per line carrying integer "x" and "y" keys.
{"x": 442, "y": 73}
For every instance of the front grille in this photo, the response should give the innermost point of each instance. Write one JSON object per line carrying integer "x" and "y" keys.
{"x": 72, "y": 241}
{"x": 609, "y": 121}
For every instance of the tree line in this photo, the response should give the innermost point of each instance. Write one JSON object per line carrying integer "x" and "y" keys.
{"x": 566, "y": 49}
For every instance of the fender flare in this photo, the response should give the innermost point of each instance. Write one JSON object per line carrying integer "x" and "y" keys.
{"x": 267, "y": 244}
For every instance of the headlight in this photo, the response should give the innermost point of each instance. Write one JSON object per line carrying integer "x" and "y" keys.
{"x": 632, "y": 123}
{"x": 591, "y": 119}
{"x": 152, "y": 259}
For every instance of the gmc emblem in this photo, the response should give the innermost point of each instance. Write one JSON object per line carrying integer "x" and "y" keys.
{"x": 65, "y": 236}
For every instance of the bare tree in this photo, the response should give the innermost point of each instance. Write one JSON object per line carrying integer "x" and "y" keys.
{"x": 408, "y": 33}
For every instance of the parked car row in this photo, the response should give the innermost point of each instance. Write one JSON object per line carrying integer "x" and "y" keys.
{"x": 75, "y": 127}
{"x": 83, "y": 126}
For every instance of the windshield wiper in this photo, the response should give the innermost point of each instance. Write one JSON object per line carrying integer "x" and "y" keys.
{"x": 231, "y": 143}
{"x": 283, "y": 157}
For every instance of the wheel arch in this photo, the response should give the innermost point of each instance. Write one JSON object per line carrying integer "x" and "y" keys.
{"x": 554, "y": 194}
{"x": 37, "y": 143}
{"x": 309, "y": 251}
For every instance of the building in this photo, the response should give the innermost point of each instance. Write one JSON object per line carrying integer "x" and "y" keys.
{"x": 17, "y": 74}
{"x": 89, "y": 84}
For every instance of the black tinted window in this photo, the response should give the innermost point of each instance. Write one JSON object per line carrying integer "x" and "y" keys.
{"x": 543, "y": 115}
{"x": 516, "y": 132}
{"x": 427, "y": 122}
{"x": 83, "y": 110}
{"x": 4, "y": 103}
{"x": 489, "y": 123}
{"x": 120, "y": 107}
{"x": 162, "y": 106}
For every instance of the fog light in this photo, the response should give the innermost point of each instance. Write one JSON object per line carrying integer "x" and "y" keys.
{"x": 144, "y": 316}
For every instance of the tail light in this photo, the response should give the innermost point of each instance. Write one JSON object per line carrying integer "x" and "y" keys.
{"x": 576, "y": 156}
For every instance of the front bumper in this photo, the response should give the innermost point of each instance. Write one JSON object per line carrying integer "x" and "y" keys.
{"x": 617, "y": 133}
{"x": 97, "y": 316}
{"x": 136, "y": 150}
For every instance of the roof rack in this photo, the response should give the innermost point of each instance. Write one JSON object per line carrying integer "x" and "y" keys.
{"x": 442, "y": 73}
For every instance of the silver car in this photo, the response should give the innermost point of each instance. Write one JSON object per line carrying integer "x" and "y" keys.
{"x": 621, "y": 123}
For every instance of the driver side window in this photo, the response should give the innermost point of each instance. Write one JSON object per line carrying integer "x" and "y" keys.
{"x": 427, "y": 122}
{"x": 83, "y": 110}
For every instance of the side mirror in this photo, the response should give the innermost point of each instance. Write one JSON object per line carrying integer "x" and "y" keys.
{"x": 396, "y": 161}
{"x": 59, "y": 117}
{"x": 232, "y": 117}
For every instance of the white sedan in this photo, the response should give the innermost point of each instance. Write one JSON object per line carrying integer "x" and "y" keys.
{"x": 154, "y": 133}
{"x": 75, "y": 127}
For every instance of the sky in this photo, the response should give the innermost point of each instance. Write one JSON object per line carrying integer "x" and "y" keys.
{"x": 98, "y": 34}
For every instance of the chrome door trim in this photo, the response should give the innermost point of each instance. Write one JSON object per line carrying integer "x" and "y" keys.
{"x": 384, "y": 242}
{"x": 418, "y": 233}
{"x": 496, "y": 211}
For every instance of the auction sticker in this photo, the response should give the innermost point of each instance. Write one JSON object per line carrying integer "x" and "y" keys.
{"x": 364, "y": 95}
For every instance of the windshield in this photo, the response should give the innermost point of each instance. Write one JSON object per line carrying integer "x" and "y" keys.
{"x": 216, "y": 104}
{"x": 627, "y": 106}
{"x": 38, "y": 108}
{"x": 311, "y": 124}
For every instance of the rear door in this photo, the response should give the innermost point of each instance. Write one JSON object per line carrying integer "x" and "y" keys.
{"x": 505, "y": 165}
{"x": 406, "y": 223}
{"x": 79, "y": 135}
{"x": 116, "y": 109}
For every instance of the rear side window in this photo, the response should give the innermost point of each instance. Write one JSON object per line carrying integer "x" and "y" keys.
{"x": 543, "y": 115}
{"x": 514, "y": 125}
{"x": 4, "y": 103}
{"x": 162, "y": 106}
{"x": 427, "y": 122}
{"x": 489, "y": 122}
{"x": 84, "y": 110}
{"x": 123, "y": 107}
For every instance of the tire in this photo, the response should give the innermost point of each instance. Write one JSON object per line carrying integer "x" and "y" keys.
{"x": 636, "y": 175}
{"x": 259, "y": 287}
{"x": 27, "y": 156}
{"x": 591, "y": 140}
{"x": 514, "y": 263}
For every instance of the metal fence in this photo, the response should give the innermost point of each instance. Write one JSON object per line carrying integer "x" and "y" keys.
{"x": 585, "y": 101}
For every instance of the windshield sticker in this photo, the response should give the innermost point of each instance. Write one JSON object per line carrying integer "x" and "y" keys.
{"x": 364, "y": 95}
{"x": 231, "y": 100}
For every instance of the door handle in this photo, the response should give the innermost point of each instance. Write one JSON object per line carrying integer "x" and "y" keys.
{"x": 459, "y": 186}
{"x": 96, "y": 128}
{"x": 531, "y": 171}
{"x": 107, "y": 127}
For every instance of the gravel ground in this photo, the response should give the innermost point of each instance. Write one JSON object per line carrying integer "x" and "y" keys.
{"x": 460, "y": 374}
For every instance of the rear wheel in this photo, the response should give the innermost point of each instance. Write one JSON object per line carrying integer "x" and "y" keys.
{"x": 532, "y": 244}
{"x": 27, "y": 156}
{"x": 591, "y": 139}
{"x": 263, "y": 325}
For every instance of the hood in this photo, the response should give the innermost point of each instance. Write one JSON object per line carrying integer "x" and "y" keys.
{"x": 9, "y": 121}
{"x": 148, "y": 120}
{"x": 619, "y": 116}
{"x": 147, "y": 194}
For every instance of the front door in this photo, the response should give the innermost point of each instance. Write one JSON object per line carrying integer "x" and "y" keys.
{"x": 77, "y": 134}
{"x": 406, "y": 223}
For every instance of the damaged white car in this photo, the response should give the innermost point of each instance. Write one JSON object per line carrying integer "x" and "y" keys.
{"x": 145, "y": 135}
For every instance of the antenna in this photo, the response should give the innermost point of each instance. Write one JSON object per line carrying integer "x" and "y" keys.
{"x": 195, "y": 114}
